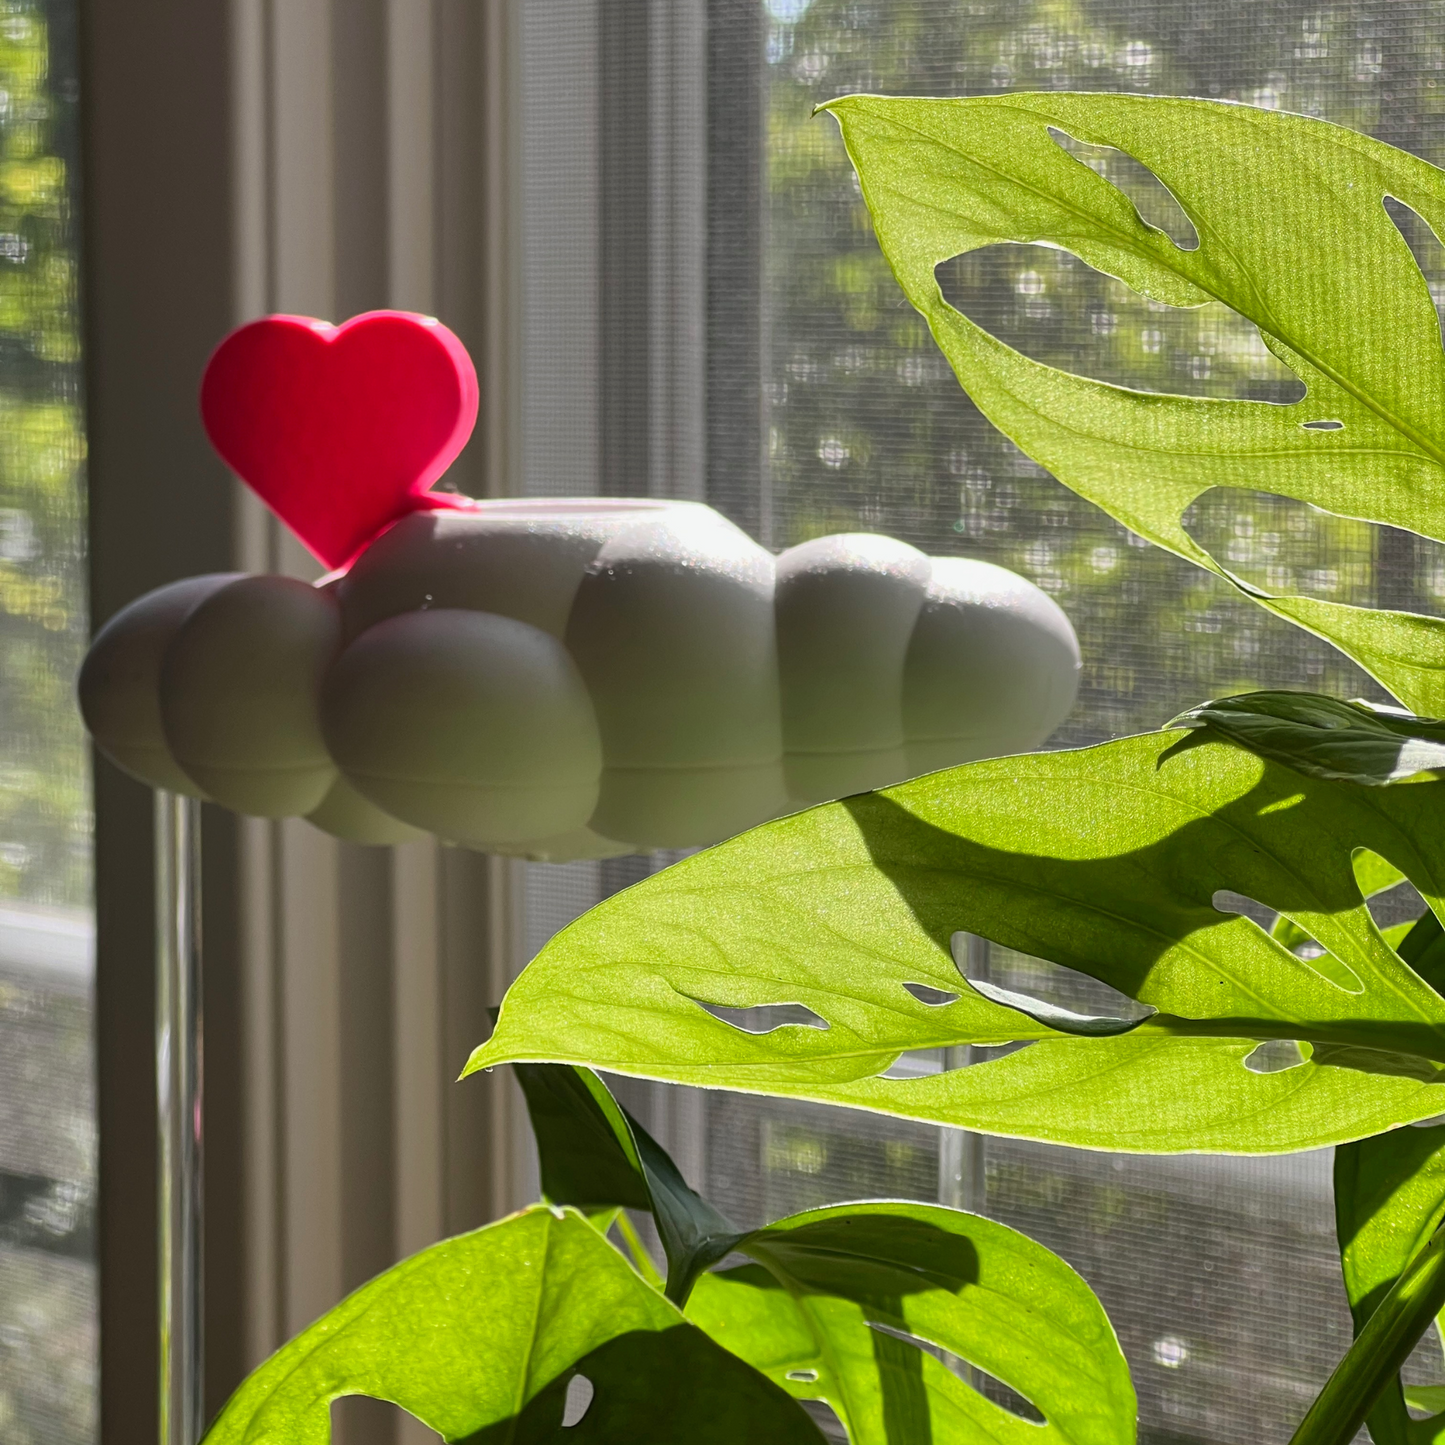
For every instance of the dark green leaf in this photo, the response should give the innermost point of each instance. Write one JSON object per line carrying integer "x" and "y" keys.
{"x": 694, "y": 1235}
{"x": 1351, "y": 742}
{"x": 859, "y": 1304}
{"x": 593, "y": 1154}
{"x": 1294, "y": 236}
{"x": 480, "y": 1336}
{"x": 1106, "y": 860}
{"x": 584, "y": 1144}
{"x": 1366, "y": 1382}
{"x": 1423, "y": 948}
{"x": 1389, "y": 1200}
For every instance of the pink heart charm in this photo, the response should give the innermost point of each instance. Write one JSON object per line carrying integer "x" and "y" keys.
{"x": 341, "y": 430}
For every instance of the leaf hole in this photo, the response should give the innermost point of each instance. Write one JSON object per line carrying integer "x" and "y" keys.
{"x": 922, "y": 1063}
{"x": 825, "y": 1417}
{"x": 803, "y": 1377}
{"x": 1397, "y": 905}
{"x": 1299, "y": 941}
{"x": 918, "y": 1064}
{"x": 987, "y": 1385}
{"x": 363, "y": 1417}
{"x": 1274, "y": 1056}
{"x": 1156, "y": 204}
{"x": 1291, "y": 935}
{"x": 1290, "y": 548}
{"x": 1330, "y": 425}
{"x": 1057, "y": 309}
{"x": 580, "y": 1391}
{"x": 765, "y": 1018}
{"x": 933, "y": 997}
{"x": 1040, "y": 980}
{"x": 1303, "y": 946}
{"x": 1225, "y": 900}
{"x": 1424, "y": 246}
{"x": 995, "y": 1391}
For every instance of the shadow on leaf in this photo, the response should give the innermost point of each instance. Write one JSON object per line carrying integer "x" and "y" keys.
{"x": 1285, "y": 842}
{"x": 656, "y": 1388}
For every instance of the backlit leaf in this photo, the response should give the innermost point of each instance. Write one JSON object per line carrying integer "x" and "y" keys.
{"x": 1389, "y": 1200}
{"x": 1105, "y": 860}
{"x": 858, "y": 1304}
{"x": 1350, "y": 742}
{"x": 1364, "y": 1382}
{"x": 480, "y": 1336}
{"x": 1293, "y": 234}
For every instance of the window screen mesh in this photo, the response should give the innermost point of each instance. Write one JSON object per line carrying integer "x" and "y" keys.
{"x": 825, "y": 407}
{"x": 48, "y": 1294}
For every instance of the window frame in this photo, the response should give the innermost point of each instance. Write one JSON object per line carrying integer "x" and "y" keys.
{"x": 234, "y": 163}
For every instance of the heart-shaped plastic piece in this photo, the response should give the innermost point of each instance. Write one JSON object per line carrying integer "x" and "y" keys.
{"x": 341, "y": 430}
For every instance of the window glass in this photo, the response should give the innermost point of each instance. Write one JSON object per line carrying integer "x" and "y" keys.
{"x": 828, "y": 409}
{"x": 47, "y": 1132}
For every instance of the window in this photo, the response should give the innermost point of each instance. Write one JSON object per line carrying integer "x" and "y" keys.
{"x": 662, "y": 266}
{"x": 826, "y": 407}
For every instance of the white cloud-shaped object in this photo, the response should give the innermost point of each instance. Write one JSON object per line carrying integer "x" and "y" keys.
{"x": 576, "y": 678}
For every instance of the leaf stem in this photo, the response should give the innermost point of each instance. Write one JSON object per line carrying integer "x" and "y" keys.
{"x": 641, "y": 1259}
{"x": 1379, "y": 1351}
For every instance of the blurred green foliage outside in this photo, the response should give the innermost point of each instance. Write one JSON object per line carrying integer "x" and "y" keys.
{"x": 44, "y": 787}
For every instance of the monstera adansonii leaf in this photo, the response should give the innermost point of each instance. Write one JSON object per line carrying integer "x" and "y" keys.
{"x": 855, "y": 1304}
{"x": 848, "y": 1304}
{"x": 1293, "y": 234}
{"x": 481, "y": 1336}
{"x": 1106, "y": 860}
{"x": 1351, "y": 742}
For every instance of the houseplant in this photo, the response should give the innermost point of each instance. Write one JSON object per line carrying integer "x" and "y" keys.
{"x": 536, "y": 1328}
{"x": 1112, "y": 860}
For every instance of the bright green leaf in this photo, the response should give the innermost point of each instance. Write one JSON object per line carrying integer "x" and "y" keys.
{"x": 808, "y": 1315}
{"x": 480, "y": 1336}
{"x": 1430, "y": 1398}
{"x": 1293, "y": 235}
{"x": 1105, "y": 860}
